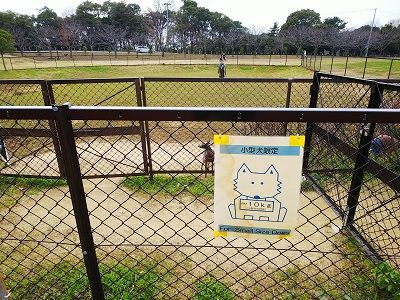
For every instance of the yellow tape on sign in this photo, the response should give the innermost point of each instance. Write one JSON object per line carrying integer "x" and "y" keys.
{"x": 297, "y": 140}
{"x": 284, "y": 236}
{"x": 220, "y": 233}
{"x": 221, "y": 139}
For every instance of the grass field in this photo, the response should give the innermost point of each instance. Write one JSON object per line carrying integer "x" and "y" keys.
{"x": 43, "y": 60}
{"x": 375, "y": 68}
{"x": 157, "y": 71}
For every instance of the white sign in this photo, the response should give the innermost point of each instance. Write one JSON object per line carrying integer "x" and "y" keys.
{"x": 257, "y": 185}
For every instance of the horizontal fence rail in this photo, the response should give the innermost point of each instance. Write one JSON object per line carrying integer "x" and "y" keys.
{"x": 244, "y": 114}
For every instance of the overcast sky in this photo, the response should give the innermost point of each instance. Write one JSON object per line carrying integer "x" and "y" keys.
{"x": 258, "y": 13}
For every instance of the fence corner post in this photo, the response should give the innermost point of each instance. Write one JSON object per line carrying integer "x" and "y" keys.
{"x": 314, "y": 91}
{"x": 143, "y": 132}
{"x": 48, "y": 99}
{"x": 287, "y": 104}
{"x": 390, "y": 69}
{"x": 361, "y": 162}
{"x": 74, "y": 179}
{"x": 365, "y": 66}
{"x": 146, "y": 131}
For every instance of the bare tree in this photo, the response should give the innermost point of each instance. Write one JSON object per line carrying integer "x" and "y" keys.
{"x": 91, "y": 37}
{"x": 21, "y": 38}
{"x": 234, "y": 37}
{"x": 157, "y": 20}
{"x": 47, "y": 38}
{"x": 356, "y": 40}
{"x": 383, "y": 39}
{"x": 298, "y": 37}
{"x": 254, "y": 38}
{"x": 113, "y": 36}
{"x": 331, "y": 39}
{"x": 71, "y": 34}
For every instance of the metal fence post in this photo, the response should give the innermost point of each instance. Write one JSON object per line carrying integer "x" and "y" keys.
{"x": 330, "y": 71}
{"x": 143, "y": 133}
{"x": 314, "y": 90}
{"x": 146, "y": 127}
{"x": 48, "y": 99}
{"x": 81, "y": 213}
{"x": 361, "y": 162}
{"x": 315, "y": 59}
{"x": 365, "y": 66}
{"x": 390, "y": 69}
{"x": 320, "y": 63}
{"x": 287, "y": 105}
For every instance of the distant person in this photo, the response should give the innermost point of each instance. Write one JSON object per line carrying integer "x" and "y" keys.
{"x": 384, "y": 144}
{"x": 221, "y": 69}
{"x": 221, "y": 66}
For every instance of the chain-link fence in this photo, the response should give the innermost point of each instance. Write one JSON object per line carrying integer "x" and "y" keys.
{"x": 130, "y": 215}
{"x": 62, "y": 59}
{"x": 228, "y": 92}
{"x": 365, "y": 67}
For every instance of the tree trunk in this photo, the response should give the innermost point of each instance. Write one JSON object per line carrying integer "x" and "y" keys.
{"x": 4, "y": 63}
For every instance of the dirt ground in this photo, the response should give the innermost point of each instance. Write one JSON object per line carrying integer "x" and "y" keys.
{"x": 174, "y": 231}
{"x": 120, "y": 157}
{"x": 126, "y": 218}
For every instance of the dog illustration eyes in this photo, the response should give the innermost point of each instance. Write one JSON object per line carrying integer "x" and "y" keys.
{"x": 257, "y": 185}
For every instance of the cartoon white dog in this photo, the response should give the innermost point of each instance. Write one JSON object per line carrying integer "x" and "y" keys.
{"x": 257, "y": 196}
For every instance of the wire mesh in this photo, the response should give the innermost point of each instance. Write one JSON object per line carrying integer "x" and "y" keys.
{"x": 98, "y": 92}
{"x": 40, "y": 249}
{"x": 226, "y": 93}
{"x": 20, "y": 93}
